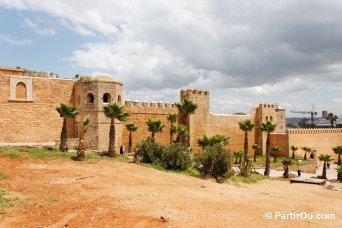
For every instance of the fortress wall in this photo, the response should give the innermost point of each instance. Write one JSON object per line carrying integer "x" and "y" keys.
{"x": 228, "y": 126}
{"x": 140, "y": 112}
{"x": 36, "y": 120}
{"x": 322, "y": 140}
{"x": 280, "y": 139}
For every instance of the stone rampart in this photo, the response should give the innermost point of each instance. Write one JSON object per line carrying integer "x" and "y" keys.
{"x": 140, "y": 112}
{"x": 322, "y": 140}
{"x": 34, "y": 120}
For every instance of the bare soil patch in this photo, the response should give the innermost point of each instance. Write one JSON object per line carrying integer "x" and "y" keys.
{"x": 114, "y": 194}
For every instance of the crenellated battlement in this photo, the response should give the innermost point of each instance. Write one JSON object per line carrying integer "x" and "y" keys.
{"x": 265, "y": 105}
{"x": 189, "y": 92}
{"x": 313, "y": 130}
{"x": 151, "y": 104}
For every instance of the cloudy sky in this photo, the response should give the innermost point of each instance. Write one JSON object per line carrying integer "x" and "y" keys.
{"x": 244, "y": 51}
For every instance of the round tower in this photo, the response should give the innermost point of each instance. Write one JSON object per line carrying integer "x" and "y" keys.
{"x": 91, "y": 95}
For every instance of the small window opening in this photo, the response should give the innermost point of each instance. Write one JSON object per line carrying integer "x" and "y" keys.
{"x": 20, "y": 91}
{"x": 106, "y": 98}
{"x": 90, "y": 98}
{"x": 119, "y": 99}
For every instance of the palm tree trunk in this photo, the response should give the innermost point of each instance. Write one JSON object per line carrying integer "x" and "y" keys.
{"x": 275, "y": 156}
{"x": 339, "y": 159}
{"x": 286, "y": 172}
{"x": 293, "y": 154}
{"x": 187, "y": 139}
{"x": 324, "y": 172}
{"x": 268, "y": 164}
{"x": 153, "y": 137}
{"x": 171, "y": 134}
{"x": 255, "y": 155}
{"x": 305, "y": 155}
{"x": 81, "y": 148}
{"x": 111, "y": 149}
{"x": 246, "y": 146}
{"x": 130, "y": 142}
{"x": 64, "y": 138}
{"x": 332, "y": 122}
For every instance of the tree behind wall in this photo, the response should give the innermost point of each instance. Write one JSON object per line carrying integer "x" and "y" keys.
{"x": 332, "y": 118}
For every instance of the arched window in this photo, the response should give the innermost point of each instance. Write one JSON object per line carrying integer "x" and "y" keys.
{"x": 20, "y": 91}
{"x": 271, "y": 118}
{"x": 90, "y": 98}
{"x": 266, "y": 118}
{"x": 106, "y": 98}
{"x": 119, "y": 99}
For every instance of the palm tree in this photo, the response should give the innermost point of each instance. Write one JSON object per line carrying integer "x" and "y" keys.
{"x": 81, "y": 148}
{"x": 154, "y": 126}
{"x": 255, "y": 147}
{"x": 332, "y": 118}
{"x": 268, "y": 127}
{"x": 306, "y": 150}
{"x": 294, "y": 149}
{"x": 186, "y": 107}
{"x": 131, "y": 128}
{"x": 275, "y": 150}
{"x": 204, "y": 141}
{"x": 338, "y": 151}
{"x": 172, "y": 119}
{"x": 238, "y": 154}
{"x": 219, "y": 139}
{"x": 339, "y": 173}
{"x": 286, "y": 163}
{"x": 326, "y": 158}
{"x": 65, "y": 111}
{"x": 246, "y": 126}
{"x": 114, "y": 112}
{"x": 182, "y": 132}
{"x": 211, "y": 141}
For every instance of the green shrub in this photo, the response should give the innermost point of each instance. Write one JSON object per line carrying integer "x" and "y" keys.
{"x": 176, "y": 157}
{"x": 246, "y": 168}
{"x": 214, "y": 161}
{"x": 150, "y": 151}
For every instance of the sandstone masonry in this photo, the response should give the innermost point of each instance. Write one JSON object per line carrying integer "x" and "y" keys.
{"x": 28, "y": 116}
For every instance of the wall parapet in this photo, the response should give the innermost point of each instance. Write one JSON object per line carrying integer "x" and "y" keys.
{"x": 313, "y": 130}
{"x": 151, "y": 104}
{"x": 194, "y": 91}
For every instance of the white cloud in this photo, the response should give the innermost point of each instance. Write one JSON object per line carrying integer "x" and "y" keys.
{"x": 18, "y": 42}
{"x": 42, "y": 31}
{"x": 286, "y": 51}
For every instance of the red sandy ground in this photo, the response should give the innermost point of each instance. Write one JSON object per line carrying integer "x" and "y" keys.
{"x": 116, "y": 194}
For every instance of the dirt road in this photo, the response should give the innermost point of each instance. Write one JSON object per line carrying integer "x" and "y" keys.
{"x": 115, "y": 194}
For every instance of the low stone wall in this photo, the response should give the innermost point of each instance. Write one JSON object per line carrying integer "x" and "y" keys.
{"x": 305, "y": 166}
{"x": 72, "y": 143}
